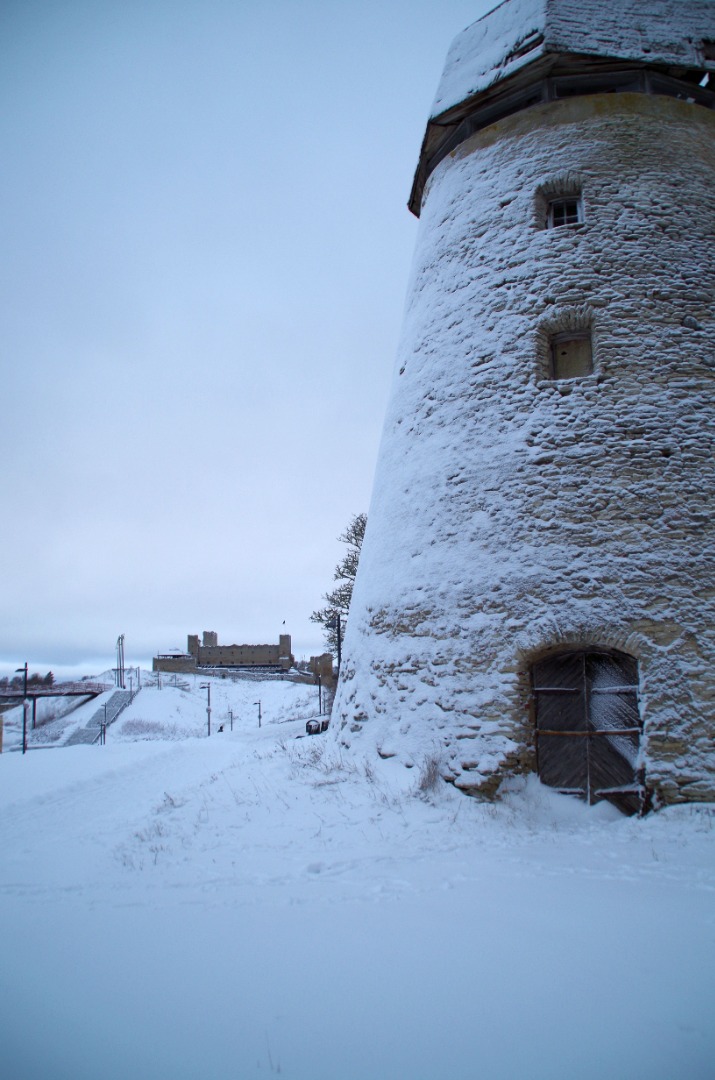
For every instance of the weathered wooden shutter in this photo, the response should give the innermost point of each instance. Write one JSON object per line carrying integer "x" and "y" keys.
{"x": 571, "y": 356}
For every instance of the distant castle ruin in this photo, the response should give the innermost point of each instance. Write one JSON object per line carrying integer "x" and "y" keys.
{"x": 536, "y": 585}
{"x": 209, "y": 654}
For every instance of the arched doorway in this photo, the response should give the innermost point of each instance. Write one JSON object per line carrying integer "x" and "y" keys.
{"x": 588, "y": 727}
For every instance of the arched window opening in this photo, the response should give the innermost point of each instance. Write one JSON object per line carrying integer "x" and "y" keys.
{"x": 588, "y": 727}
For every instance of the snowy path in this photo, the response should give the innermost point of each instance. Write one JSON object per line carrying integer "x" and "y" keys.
{"x": 248, "y": 904}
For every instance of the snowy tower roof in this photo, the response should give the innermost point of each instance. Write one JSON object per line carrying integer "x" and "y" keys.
{"x": 504, "y": 61}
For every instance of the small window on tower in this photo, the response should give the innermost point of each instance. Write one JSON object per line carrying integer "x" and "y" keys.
{"x": 571, "y": 356}
{"x": 564, "y": 212}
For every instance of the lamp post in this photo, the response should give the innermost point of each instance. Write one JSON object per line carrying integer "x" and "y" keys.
{"x": 259, "y": 711}
{"x": 120, "y": 662}
{"x": 24, "y": 706}
{"x": 207, "y": 686}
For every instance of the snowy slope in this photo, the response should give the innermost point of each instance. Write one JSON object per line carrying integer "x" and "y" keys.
{"x": 169, "y": 707}
{"x": 252, "y": 904}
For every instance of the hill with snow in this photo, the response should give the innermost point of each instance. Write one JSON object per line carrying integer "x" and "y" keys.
{"x": 254, "y": 904}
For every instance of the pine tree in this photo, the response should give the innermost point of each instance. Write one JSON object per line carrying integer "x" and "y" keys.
{"x": 338, "y": 599}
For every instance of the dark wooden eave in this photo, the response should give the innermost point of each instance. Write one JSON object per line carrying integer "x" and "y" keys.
{"x": 551, "y": 76}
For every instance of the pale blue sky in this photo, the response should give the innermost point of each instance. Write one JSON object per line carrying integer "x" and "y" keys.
{"x": 206, "y": 252}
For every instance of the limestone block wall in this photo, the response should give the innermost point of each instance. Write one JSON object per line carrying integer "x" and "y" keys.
{"x": 240, "y": 656}
{"x": 322, "y": 667}
{"x": 513, "y": 513}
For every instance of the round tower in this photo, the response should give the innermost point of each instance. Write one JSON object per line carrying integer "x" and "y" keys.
{"x": 535, "y": 590}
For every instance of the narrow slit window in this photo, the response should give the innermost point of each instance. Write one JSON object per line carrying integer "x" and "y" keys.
{"x": 571, "y": 356}
{"x": 564, "y": 212}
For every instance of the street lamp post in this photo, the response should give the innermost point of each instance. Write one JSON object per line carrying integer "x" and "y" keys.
{"x": 259, "y": 711}
{"x": 120, "y": 662}
{"x": 24, "y": 706}
{"x": 207, "y": 686}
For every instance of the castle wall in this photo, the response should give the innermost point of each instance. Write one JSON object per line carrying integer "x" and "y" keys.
{"x": 211, "y": 654}
{"x": 513, "y": 513}
{"x": 242, "y": 656}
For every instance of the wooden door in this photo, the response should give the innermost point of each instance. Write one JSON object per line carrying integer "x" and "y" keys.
{"x": 588, "y": 727}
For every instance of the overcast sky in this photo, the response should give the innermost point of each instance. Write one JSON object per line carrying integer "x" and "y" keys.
{"x": 206, "y": 248}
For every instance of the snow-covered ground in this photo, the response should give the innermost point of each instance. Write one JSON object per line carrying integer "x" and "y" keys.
{"x": 168, "y": 707}
{"x": 255, "y": 904}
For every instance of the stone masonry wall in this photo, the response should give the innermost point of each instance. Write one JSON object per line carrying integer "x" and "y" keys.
{"x": 513, "y": 513}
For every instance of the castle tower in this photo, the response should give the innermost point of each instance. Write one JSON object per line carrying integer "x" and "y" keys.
{"x": 535, "y": 591}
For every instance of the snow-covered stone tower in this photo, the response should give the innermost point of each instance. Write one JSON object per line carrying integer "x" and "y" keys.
{"x": 536, "y": 585}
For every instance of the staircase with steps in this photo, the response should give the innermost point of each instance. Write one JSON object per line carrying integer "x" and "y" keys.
{"x": 91, "y": 731}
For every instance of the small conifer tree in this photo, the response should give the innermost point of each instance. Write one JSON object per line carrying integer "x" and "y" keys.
{"x": 337, "y": 601}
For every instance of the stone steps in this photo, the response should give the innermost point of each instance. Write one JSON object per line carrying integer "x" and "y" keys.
{"x": 91, "y": 731}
